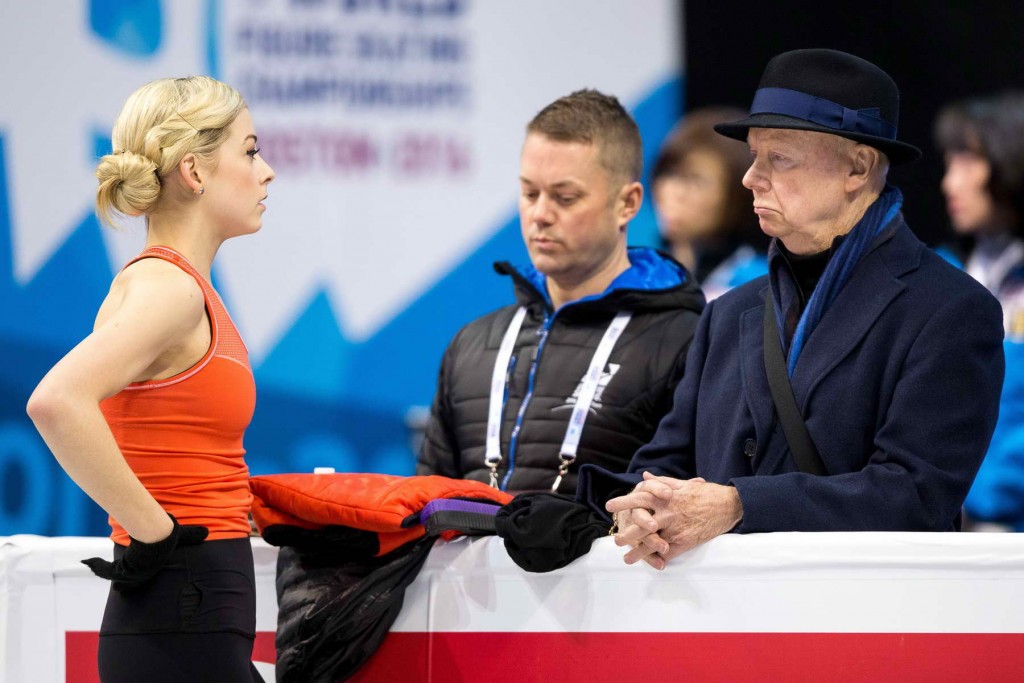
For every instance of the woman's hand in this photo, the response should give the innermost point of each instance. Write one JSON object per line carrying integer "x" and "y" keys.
{"x": 141, "y": 561}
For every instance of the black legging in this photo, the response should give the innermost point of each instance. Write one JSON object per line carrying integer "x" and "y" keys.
{"x": 177, "y": 658}
{"x": 195, "y": 621}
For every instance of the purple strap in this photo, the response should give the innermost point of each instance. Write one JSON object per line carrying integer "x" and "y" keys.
{"x": 452, "y": 505}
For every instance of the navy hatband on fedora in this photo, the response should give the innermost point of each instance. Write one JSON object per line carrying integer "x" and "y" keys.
{"x": 821, "y": 111}
{"x": 827, "y": 91}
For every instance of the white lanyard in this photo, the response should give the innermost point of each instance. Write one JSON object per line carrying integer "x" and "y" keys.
{"x": 584, "y": 399}
{"x": 493, "y": 454}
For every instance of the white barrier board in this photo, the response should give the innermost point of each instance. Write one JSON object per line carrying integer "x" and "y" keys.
{"x": 843, "y": 606}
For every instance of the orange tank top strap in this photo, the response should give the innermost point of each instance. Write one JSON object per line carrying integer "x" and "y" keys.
{"x": 225, "y": 341}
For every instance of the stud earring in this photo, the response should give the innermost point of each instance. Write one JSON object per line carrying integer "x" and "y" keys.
{"x": 200, "y": 191}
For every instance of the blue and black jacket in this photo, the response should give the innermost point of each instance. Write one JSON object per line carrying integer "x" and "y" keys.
{"x": 552, "y": 354}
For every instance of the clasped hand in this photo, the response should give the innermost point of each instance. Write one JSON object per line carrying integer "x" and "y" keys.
{"x": 664, "y": 517}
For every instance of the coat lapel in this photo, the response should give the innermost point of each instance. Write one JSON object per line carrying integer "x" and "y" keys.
{"x": 874, "y": 285}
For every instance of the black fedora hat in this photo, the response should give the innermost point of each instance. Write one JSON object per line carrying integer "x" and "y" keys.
{"x": 829, "y": 92}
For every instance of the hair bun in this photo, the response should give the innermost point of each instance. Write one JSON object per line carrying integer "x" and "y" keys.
{"x": 129, "y": 184}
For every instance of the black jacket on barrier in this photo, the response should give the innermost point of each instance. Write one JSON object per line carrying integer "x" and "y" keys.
{"x": 551, "y": 356}
{"x": 333, "y": 614}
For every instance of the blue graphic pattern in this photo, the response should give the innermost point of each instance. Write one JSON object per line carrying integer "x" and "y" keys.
{"x": 134, "y": 27}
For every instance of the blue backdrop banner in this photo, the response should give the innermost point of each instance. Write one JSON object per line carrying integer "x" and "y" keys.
{"x": 394, "y": 129}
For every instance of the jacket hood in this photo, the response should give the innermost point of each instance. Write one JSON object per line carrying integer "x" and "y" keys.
{"x": 654, "y": 281}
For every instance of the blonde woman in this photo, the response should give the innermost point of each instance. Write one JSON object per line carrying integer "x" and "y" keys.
{"x": 147, "y": 413}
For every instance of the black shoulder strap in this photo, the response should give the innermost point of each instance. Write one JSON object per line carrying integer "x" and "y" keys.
{"x": 800, "y": 445}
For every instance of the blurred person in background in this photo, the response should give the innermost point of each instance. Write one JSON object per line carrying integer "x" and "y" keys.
{"x": 583, "y": 366}
{"x": 982, "y": 141}
{"x": 148, "y": 412}
{"x": 703, "y": 210}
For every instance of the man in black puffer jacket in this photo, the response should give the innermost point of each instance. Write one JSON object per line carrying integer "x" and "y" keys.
{"x": 583, "y": 367}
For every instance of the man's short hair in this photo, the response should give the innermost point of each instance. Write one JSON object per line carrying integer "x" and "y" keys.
{"x": 591, "y": 117}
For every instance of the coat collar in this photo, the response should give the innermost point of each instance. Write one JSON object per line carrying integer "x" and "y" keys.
{"x": 875, "y": 283}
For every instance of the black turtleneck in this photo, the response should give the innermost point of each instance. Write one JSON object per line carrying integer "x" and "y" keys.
{"x": 808, "y": 268}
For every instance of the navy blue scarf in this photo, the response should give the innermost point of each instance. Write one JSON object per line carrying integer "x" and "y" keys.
{"x": 837, "y": 273}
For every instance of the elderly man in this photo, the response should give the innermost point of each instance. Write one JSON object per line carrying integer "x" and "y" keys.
{"x": 853, "y": 388}
{"x": 583, "y": 367}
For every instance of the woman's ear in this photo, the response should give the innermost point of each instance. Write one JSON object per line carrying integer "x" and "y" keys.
{"x": 191, "y": 174}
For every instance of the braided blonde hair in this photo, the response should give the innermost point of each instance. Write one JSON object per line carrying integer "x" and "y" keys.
{"x": 159, "y": 124}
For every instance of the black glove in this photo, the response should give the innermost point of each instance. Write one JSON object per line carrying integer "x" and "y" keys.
{"x": 141, "y": 561}
{"x": 546, "y": 531}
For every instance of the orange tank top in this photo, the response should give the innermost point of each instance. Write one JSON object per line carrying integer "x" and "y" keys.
{"x": 182, "y": 436}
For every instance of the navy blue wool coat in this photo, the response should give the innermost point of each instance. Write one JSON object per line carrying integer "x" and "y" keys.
{"x": 899, "y": 387}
